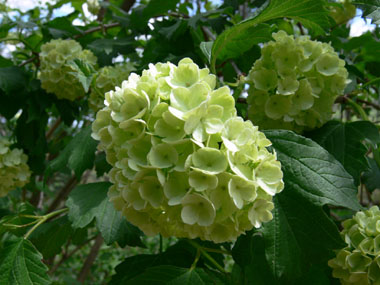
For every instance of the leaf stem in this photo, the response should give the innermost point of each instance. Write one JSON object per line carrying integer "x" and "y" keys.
{"x": 43, "y": 219}
{"x": 194, "y": 265}
{"x": 207, "y": 256}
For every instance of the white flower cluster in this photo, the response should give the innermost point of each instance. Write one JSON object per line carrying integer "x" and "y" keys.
{"x": 295, "y": 83}
{"x": 56, "y": 73}
{"x": 14, "y": 172}
{"x": 183, "y": 163}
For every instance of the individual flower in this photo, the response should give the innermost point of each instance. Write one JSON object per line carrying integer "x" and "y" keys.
{"x": 183, "y": 164}
{"x": 295, "y": 83}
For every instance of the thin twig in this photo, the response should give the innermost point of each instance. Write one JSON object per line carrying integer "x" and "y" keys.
{"x": 90, "y": 259}
{"x": 376, "y": 106}
{"x": 70, "y": 254}
{"x": 63, "y": 193}
{"x": 28, "y": 61}
{"x": 53, "y": 128}
{"x": 95, "y": 29}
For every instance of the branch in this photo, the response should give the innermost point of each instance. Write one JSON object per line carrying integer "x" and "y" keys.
{"x": 63, "y": 193}
{"x": 376, "y": 106}
{"x": 95, "y": 29}
{"x": 67, "y": 256}
{"x": 28, "y": 61}
{"x": 90, "y": 259}
{"x": 53, "y": 128}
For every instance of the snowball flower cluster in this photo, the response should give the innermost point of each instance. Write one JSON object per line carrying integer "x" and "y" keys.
{"x": 183, "y": 163}
{"x": 359, "y": 262}
{"x": 14, "y": 172}
{"x": 56, "y": 72}
{"x": 295, "y": 83}
{"x": 107, "y": 78}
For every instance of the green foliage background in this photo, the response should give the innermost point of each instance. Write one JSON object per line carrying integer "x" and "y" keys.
{"x": 61, "y": 228}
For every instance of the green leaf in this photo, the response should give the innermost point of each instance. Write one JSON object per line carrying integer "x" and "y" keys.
{"x": 299, "y": 234}
{"x": 158, "y": 7}
{"x": 311, "y": 13}
{"x": 12, "y": 79}
{"x": 78, "y": 155}
{"x": 20, "y": 263}
{"x": 206, "y": 49}
{"x": 245, "y": 40}
{"x": 370, "y": 8}
{"x": 248, "y": 252}
{"x": 49, "y": 237}
{"x": 181, "y": 254}
{"x": 344, "y": 142}
{"x": 168, "y": 274}
{"x": 90, "y": 201}
{"x": 101, "y": 164}
{"x": 83, "y": 71}
{"x": 371, "y": 177}
{"x": 312, "y": 172}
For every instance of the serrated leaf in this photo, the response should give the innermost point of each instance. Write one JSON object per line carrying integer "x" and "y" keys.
{"x": 20, "y": 263}
{"x": 168, "y": 274}
{"x": 78, "y": 155}
{"x": 90, "y": 201}
{"x": 344, "y": 142}
{"x": 299, "y": 234}
{"x": 313, "y": 172}
{"x": 370, "y": 8}
{"x": 311, "y": 13}
{"x": 49, "y": 237}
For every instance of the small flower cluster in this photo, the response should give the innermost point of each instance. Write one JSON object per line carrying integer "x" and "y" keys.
{"x": 14, "y": 172}
{"x": 107, "y": 78}
{"x": 295, "y": 83}
{"x": 183, "y": 163}
{"x": 56, "y": 72}
{"x": 359, "y": 262}
{"x": 93, "y": 7}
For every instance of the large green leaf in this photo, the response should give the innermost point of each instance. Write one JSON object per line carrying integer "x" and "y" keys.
{"x": 90, "y": 201}
{"x": 249, "y": 255}
{"x": 311, "y": 13}
{"x": 313, "y": 172}
{"x": 12, "y": 79}
{"x": 49, "y": 237}
{"x": 371, "y": 9}
{"x": 78, "y": 155}
{"x": 344, "y": 142}
{"x": 20, "y": 263}
{"x": 299, "y": 235}
{"x": 169, "y": 274}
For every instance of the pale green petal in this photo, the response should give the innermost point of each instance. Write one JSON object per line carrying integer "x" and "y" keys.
{"x": 201, "y": 181}
{"x": 163, "y": 156}
{"x": 210, "y": 160}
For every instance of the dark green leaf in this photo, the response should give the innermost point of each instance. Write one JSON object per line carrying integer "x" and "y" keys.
{"x": 78, "y": 155}
{"x": 371, "y": 177}
{"x": 49, "y": 237}
{"x": 90, "y": 201}
{"x": 101, "y": 164}
{"x": 12, "y": 79}
{"x": 344, "y": 142}
{"x": 168, "y": 274}
{"x": 248, "y": 252}
{"x": 310, "y": 13}
{"x": 300, "y": 233}
{"x": 158, "y": 7}
{"x": 20, "y": 263}
{"x": 312, "y": 172}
